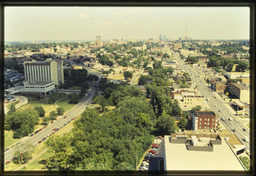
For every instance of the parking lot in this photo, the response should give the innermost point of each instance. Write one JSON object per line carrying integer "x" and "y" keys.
{"x": 154, "y": 156}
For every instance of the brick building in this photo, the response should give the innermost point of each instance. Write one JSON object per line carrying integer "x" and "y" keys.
{"x": 204, "y": 120}
{"x": 218, "y": 86}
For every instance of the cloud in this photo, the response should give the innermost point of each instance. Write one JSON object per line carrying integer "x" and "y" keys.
{"x": 82, "y": 15}
{"x": 136, "y": 11}
{"x": 107, "y": 22}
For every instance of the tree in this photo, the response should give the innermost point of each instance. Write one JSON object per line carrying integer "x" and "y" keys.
{"x": 165, "y": 124}
{"x": 166, "y": 55}
{"x": 144, "y": 121}
{"x": 102, "y": 101}
{"x": 157, "y": 64}
{"x": 60, "y": 111}
{"x": 196, "y": 108}
{"x": 46, "y": 119}
{"x": 40, "y": 110}
{"x": 22, "y": 122}
{"x": 176, "y": 110}
{"x": 127, "y": 75}
{"x": 246, "y": 161}
{"x": 12, "y": 109}
{"x": 73, "y": 98}
{"x": 53, "y": 115}
{"x": 61, "y": 148}
{"x": 182, "y": 123}
{"x": 84, "y": 87}
{"x": 144, "y": 79}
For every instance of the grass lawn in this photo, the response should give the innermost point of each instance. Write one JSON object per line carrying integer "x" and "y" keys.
{"x": 38, "y": 164}
{"x": 9, "y": 140}
{"x": 117, "y": 76}
{"x": 47, "y": 107}
{"x": 11, "y": 166}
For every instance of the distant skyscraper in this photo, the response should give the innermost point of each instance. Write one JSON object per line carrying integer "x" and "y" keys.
{"x": 98, "y": 40}
{"x": 160, "y": 37}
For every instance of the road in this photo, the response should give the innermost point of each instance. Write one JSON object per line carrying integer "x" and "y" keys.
{"x": 73, "y": 113}
{"x": 215, "y": 102}
{"x": 23, "y": 101}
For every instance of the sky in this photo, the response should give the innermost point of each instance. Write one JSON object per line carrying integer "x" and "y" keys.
{"x": 85, "y": 23}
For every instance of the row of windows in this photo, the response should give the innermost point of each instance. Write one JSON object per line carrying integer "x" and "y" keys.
{"x": 206, "y": 119}
{"x": 35, "y": 73}
{"x": 206, "y": 127}
{"x": 206, "y": 123}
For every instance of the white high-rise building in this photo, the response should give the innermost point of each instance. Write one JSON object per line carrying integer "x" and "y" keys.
{"x": 46, "y": 71}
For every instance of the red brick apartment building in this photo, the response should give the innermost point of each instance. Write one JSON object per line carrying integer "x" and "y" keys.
{"x": 203, "y": 120}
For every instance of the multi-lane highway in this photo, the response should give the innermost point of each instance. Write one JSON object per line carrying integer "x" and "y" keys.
{"x": 215, "y": 102}
{"x": 58, "y": 124}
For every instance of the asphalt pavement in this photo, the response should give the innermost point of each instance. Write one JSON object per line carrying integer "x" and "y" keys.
{"x": 59, "y": 123}
{"x": 215, "y": 102}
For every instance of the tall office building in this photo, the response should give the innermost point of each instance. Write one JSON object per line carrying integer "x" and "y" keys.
{"x": 46, "y": 71}
{"x": 160, "y": 37}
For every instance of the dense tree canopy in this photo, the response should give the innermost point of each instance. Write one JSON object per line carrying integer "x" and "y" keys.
{"x": 22, "y": 122}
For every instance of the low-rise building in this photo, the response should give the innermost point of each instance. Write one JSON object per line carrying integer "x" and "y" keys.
{"x": 204, "y": 120}
{"x": 199, "y": 152}
{"x": 241, "y": 91}
{"x": 188, "y": 99}
{"x": 218, "y": 86}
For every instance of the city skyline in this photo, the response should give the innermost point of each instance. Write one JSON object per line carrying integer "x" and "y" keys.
{"x": 85, "y": 23}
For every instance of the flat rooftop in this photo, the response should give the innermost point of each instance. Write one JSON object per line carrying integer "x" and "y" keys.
{"x": 233, "y": 140}
{"x": 222, "y": 158}
{"x": 241, "y": 86}
{"x": 205, "y": 113}
{"x": 38, "y": 83}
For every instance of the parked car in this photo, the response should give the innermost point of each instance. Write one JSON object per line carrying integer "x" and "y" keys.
{"x": 39, "y": 142}
{"x": 72, "y": 119}
{"x": 51, "y": 122}
{"x": 65, "y": 117}
{"x": 246, "y": 139}
{"x": 54, "y": 129}
{"x": 7, "y": 162}
{"x": 40, "y": 129}
{"x": 31, "y": 135}
{"x": 36, "y": 132}
{"x": 43, "y": 139}
{"x": 234, "y": 130}
{"x": 64, "y": 124}
{"x": 244, "y": 129}
{"x": 6, "y": 149}
{"x": 21, "y": 153}
{"x": 152, "y": 151}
